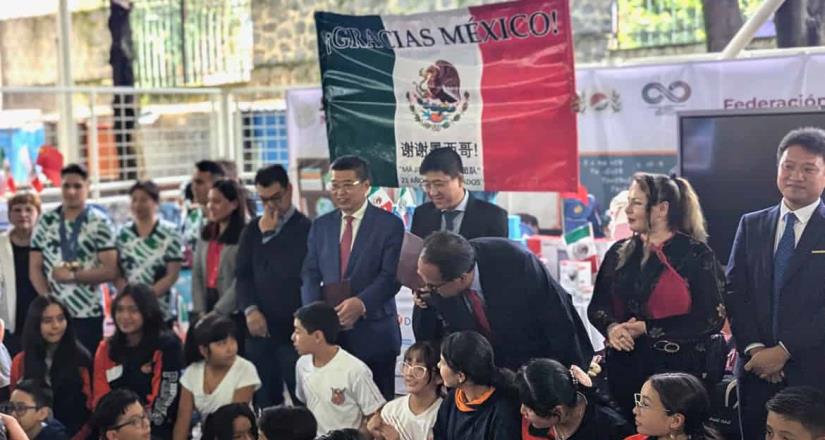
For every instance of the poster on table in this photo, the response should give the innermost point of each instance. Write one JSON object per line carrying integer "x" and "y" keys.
{"x": 495, "y": 83}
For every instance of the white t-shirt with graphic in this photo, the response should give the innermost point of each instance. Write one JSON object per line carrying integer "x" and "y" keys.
{"x": 241, "y": 374}
{"x": 340, "y": 393}
{"x": 410, "y": 426}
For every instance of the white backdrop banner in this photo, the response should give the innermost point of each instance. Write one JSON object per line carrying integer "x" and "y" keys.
{"x": 633, "y": 109}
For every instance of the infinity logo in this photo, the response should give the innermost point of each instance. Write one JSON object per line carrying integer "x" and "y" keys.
{"x": 677, "y": 91}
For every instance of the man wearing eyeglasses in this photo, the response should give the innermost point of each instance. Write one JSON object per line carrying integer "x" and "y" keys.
{"x": 120, "y": 416}
{"x": 73, "y": 253}
{"x": 268, "y": 283}
{"x": 451, "y": 208}
{"x": 31, "y": 405}
{"x": 501, "y": 290}
{"x": 352, "y": 257}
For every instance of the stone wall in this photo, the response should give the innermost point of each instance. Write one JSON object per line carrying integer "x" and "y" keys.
{"x": 285, "y": 44}
{"x": 28, "y": 49}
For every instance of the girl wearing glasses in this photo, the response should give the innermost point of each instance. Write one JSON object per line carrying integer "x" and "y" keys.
{"x": 482, "y": 402}
{"x": 556, "y": 404}
{"x": 673, "y": 406}
{"x": 49, "y": 341}
{"x": 412, "y": 417}
{"x": 142, "y": 356}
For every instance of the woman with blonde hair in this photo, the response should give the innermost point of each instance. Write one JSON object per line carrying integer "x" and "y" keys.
{"x": 658, "y": 297}
{"x": 16, "y": 289}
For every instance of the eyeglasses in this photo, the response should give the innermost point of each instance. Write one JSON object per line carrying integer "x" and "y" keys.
{"x": 646, "y": 406}
{"x": 416, "y": 371}
{"x": 343, "y": 187}
{"x": 16, "y": 408}
{"x": 136, "y": 422}
{"x": 275, "y": 199}
{"x": 437, "y": 185}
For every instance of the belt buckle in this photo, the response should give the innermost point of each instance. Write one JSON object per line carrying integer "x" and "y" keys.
{"x": 667, "y": 346}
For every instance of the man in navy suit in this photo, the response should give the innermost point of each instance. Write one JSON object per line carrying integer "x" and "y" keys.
{"x": 351, "y": 262}
{"x": 776, "y": 293}
{"x": 500, "y": 289}
{"x": 451, "y": 208}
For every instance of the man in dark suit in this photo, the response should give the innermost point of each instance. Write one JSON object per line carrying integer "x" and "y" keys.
{"x": 271, "y": 253}
{"x": 351, "y": 263}
{"x": 776, "y": 294}
{"x": 451, "y": 208}
{"x": 501, "y": 290}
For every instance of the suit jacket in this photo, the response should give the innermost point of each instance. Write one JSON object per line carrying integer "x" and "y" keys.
{"x": 481, "y": 219}
{"x": 802, "y": 295}
{"x": 530, "y": 315}
{"x": 371, "y": 272}
{"x": 226, "y": 278}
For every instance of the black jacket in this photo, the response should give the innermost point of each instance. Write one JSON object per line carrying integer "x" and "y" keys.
{"x": 269, "y": 274}
{"x": 481, "y": 219}
{"x": 497, "y": 418}
{"x": 530, "y": 314}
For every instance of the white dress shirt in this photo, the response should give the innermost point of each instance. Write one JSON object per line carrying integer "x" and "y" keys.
{"x": 356, "y": 221}
{"x": 462, "y": 206}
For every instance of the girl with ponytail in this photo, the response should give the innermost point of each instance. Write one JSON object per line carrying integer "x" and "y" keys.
{"x": 673, "y": 406}
{"x": 482, "y": 400}
{"x": 557, "y": 403}
{"x": 658, "y": 297}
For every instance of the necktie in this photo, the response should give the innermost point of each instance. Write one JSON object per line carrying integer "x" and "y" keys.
{"x": 781, "y": 259}
{"x": 449, "y": 220}
{"x": 346, "y": 245}
{"x": 478, "y": 312}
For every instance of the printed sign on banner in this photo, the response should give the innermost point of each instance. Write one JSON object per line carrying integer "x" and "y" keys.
{"x": 495, "y": 83}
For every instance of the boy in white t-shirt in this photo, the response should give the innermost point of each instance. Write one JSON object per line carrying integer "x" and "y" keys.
{"x": 335, "y": 385}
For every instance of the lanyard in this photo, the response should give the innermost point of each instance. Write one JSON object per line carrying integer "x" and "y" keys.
{"x": 69, "y": 244}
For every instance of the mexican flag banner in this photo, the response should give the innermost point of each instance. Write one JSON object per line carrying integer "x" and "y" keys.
{"x": 495, "y": 83}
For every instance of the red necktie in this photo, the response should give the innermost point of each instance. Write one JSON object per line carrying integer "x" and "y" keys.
{"x": 346, "y": 245}
{"x": 478, "y": 312}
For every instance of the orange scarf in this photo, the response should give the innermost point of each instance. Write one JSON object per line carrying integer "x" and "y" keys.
{"x": 464, "y": 406}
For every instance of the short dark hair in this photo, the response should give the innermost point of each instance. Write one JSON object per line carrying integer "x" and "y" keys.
{"x": 41, "y": 393}
{"x": 75, "y": 168}
{"x": 805, "y": 405}
{"x": 354, "y": 163}
{"x": 211, "y": 167}
{"x": 451, "y": 253}
{"x": 342, "y": 434}
{"x": 320, "y": 316}
{"x": 147, "y": 186}
{"x": 219, "y": 424}
{"x": 274, "y": 173}
{"x": 445, "y": 160}
{"x": 288, "y": 423}
{"x": 111, "y": 407}
{"x": 812, "y": 139}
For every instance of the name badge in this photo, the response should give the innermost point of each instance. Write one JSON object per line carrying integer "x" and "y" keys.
{"x": 112, "y": 374}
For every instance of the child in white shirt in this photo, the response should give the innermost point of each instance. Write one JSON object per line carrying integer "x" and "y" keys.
{"x": 412, "y": 417}
{"x": 335, "y": 385}
{"x": 216, "y": 375}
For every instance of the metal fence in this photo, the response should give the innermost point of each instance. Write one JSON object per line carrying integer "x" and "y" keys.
{"x": 121, "y": 134}
{"x": 192, "y": 42}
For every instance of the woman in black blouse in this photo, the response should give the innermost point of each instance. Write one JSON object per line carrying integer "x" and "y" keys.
{"x": 658, "y": 295}
{"x": 16, "y": 290}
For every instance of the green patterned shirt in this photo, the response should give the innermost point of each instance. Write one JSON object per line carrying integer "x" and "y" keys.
{"x": 96, "y": 235}
{"x": 143, "y": 260}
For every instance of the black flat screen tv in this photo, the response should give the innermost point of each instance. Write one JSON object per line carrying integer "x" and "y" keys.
{"x": 730, "y": 158}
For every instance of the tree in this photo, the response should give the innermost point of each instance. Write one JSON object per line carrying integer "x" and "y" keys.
{"x": 799, "y": 23}
{"x": 723, "y": 18}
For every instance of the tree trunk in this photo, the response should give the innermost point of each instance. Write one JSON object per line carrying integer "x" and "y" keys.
{"x": 722, "y": 19}
{"x": 791, "y": 27}
{"x": 816, "y": 22}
